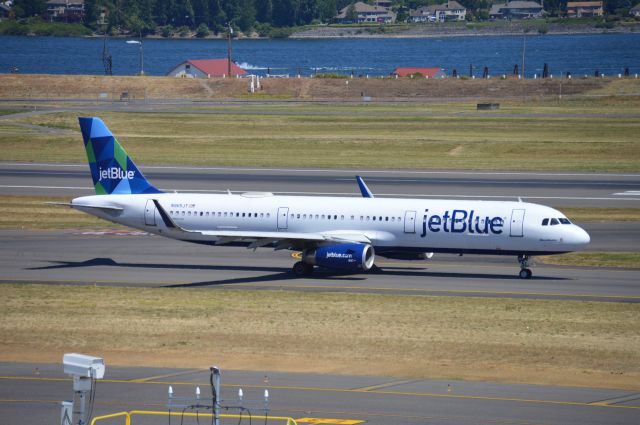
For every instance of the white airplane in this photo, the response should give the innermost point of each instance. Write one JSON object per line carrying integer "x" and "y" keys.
{"x": 342, "y": 233}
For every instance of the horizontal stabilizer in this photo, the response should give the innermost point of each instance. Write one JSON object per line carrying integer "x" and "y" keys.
{"x": 98, "y": 207}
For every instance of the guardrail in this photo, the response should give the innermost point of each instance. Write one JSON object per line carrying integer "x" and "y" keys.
{"x": 128, "y": 415}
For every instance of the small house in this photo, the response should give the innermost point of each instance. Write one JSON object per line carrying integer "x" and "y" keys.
{"x": 580, "y": 9}
{"x": 206, "y": 68}
{"x": 424, "y": 72}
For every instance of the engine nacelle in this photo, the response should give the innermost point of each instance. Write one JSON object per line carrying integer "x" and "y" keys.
{"x": 349, "y": 256}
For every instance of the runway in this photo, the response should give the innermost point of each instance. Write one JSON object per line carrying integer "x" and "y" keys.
{"x": 140, "y": 260}
{"x": 30, "y": 395}
{"x": 554, "y": 189}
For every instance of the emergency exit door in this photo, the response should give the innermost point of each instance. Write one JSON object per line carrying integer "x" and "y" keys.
{"x": 409, "y": 221}
{"x": 517, "y": 223}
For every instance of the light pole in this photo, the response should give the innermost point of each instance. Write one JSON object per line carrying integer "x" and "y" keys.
{"x": 139, "y": 42}
{"x": 229, "y": 34}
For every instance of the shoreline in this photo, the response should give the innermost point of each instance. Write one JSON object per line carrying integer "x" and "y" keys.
{"x": 418, "y": 31}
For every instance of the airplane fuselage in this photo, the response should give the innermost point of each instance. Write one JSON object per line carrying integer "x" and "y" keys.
{"x": 391, "y": 224}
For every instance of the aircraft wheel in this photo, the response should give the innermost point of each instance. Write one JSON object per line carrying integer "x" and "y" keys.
{"x": 301, "y": 269}
{"x": 525, "y": 274}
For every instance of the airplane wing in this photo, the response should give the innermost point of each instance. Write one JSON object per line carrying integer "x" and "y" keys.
{"x": 280, "y": 240}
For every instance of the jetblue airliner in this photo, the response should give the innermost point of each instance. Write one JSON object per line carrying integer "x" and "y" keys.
{"x": 341, "y": 233}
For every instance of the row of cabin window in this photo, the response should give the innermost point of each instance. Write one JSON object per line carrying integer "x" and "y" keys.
{"x": 555, "y": 221}
{"x": 219, "y": 214}
{"x": 335, "y": 217}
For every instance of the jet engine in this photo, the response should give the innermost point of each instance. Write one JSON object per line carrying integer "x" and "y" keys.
{"x": 350, "y": 256}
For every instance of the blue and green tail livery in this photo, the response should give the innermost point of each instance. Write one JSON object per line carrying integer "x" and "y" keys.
{"x": 113, "y": 171}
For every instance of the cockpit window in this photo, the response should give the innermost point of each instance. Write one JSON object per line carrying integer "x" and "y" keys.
{"x": 545, "y": 221}
{"x": 554, "y": 221}
{"x": 564, "y": 221}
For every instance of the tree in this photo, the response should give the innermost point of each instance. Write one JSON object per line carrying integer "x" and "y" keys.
{"x": 264, "y": 11}
{"x": 29, "y": 8}
{"x": 351, "y": 13}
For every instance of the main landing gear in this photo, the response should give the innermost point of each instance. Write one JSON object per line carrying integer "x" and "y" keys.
{"x": 301, "y": 269}
{"x": 525, "y": 272}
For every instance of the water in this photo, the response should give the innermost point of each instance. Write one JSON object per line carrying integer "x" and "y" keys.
{"x": 578, "y": 54}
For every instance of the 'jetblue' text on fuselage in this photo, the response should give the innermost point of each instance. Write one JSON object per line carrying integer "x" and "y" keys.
{"x": 460, "y": 221}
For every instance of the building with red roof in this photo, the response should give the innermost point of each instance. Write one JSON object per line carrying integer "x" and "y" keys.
{"x": 425, "y": 72}
{"x": 206, "y": 68}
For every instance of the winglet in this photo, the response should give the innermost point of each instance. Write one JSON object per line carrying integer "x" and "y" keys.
{"x": 366, "y": 193}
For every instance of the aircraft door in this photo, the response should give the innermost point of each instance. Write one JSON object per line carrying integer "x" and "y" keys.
{"x": 409, "y": 221}
{"x": 150, "y": 213}
{"x": 283, "y": 213}
{"x": 517, "y": 222}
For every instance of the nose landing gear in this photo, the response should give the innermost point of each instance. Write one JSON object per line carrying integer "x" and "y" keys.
{"x": 525, "y": 272}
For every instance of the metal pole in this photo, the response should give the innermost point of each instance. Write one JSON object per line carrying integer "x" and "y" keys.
{"x": 141, "y": 57}
{"x": 524, "y": 47}
{"x": 229, "y": 34}
{"x": 216, "y": 386}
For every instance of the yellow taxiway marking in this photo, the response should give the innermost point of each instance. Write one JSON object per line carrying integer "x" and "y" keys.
{"x": 167, "y": 375}
{"x": 430, "y": 290}
{"x": 386, "y": 385}
{"x": 323, "y": 421}
{"x": 343, "y": 390}
{"x": 425, "y": 290}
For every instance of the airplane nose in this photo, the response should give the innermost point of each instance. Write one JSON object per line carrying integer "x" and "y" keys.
{"x": 579, "y": 237}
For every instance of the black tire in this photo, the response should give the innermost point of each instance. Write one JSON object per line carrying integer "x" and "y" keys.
{"x": 301, "y": 269}
{"x": 525, "y": 274}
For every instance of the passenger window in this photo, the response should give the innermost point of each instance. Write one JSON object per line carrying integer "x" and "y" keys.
{"x": 393, "y": 219}
{"x": 545, "y": 221}
{"x": 261, "y": 215}
{"x": 380, "y": 218}
{"x": 323, "y": 216}
{"x": 564, "y": 221}
{"x": 554, "y": 221}
{"x": 352, "y": 217}
{"x": 374, "y": 218}
{"x": 268, "y": 215}
{"x": 201, "y": 213}
{"x": 317, "y": 216}
{"x": 386, "y": 219}
{"x": 368, "y": 218}
{"x": 361, "y": 217}
{"x": 298, "y": 216}
{"x": 341, "y": 217}
{"x": 237, "y": 214}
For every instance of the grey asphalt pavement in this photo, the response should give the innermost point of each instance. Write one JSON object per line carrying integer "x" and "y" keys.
{"x": 138, "y": 259}
{"x": 30, "y": 394}
{"x": 554, "y": 189}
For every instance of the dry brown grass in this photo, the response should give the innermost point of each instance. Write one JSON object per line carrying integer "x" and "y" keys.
{"x": 537, "y": 341}
{"x": 14, "y": 86}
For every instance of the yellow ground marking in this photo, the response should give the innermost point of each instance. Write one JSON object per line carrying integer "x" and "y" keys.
{"x": 318, "y": 421}
{"x": 452, "y": 291}
{"x": 342, "y": 390}
{"x": 386, "y": 385}
{"x": 351, "y": 288}
{"x": 167, "y": 375}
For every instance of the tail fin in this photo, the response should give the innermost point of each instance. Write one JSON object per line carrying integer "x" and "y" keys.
{"x": 113, "y": 171}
